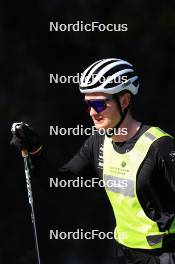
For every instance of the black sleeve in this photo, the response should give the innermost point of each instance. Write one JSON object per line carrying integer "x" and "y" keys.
{"x": 43, "y": 168}
{"x": 82, "y": 160}
{"x": 165, "y": 147}
{"x": 164, "y": 190}
{"x": 156, "y": 182}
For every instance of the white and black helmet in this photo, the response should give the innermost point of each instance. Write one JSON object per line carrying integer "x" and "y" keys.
{"x": 101, "y": 77}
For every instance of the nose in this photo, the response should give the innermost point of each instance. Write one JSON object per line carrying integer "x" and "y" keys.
{"x": 92, "y": 112}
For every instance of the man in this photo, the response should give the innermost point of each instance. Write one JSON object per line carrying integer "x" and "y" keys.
{"x": 140, "y": 163}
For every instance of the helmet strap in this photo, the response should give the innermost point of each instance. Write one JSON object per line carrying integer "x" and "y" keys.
{"x": 122, "y": 116}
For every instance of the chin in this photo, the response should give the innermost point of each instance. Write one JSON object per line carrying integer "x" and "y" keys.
{"x": 102, "y": 125}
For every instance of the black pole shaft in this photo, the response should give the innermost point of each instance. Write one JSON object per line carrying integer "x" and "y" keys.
{"x": 30, "y": 196}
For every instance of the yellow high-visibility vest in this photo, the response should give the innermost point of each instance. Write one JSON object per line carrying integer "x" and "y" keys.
{"x": 134, "y": 228}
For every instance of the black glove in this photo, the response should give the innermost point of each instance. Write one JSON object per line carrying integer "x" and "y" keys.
{"x": 24, "y": 137}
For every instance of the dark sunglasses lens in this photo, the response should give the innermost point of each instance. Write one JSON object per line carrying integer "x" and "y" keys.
{"x": 99, "y": 106}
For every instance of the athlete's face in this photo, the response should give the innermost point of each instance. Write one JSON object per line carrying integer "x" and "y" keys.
{"x": 107, "y": 118}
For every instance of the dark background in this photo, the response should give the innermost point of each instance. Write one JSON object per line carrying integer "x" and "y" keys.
{"x": 28, "y": 54}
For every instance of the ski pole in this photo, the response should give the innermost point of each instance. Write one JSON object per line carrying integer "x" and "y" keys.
{"x": 17, "y": 129}
{"x": 27, "y": 168}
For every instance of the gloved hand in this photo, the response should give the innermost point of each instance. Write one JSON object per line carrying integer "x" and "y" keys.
{"x": 24, "y": 137}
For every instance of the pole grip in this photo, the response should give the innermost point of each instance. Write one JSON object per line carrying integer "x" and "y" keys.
{"x": 24, "y": 153}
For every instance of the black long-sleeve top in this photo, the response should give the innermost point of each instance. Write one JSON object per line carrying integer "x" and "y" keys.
{"x": 155, "y": 184}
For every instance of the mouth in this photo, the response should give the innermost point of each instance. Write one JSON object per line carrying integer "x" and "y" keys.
{"x": 98, "y": 120}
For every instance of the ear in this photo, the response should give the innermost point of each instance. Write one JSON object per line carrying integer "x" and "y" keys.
{"x": 125, "y": 100}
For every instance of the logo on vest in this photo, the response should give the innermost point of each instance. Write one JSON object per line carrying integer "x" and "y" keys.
{"x": 123, "y": 164}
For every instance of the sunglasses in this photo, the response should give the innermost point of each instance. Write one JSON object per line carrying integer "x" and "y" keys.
{"x": 98, "y": 105}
